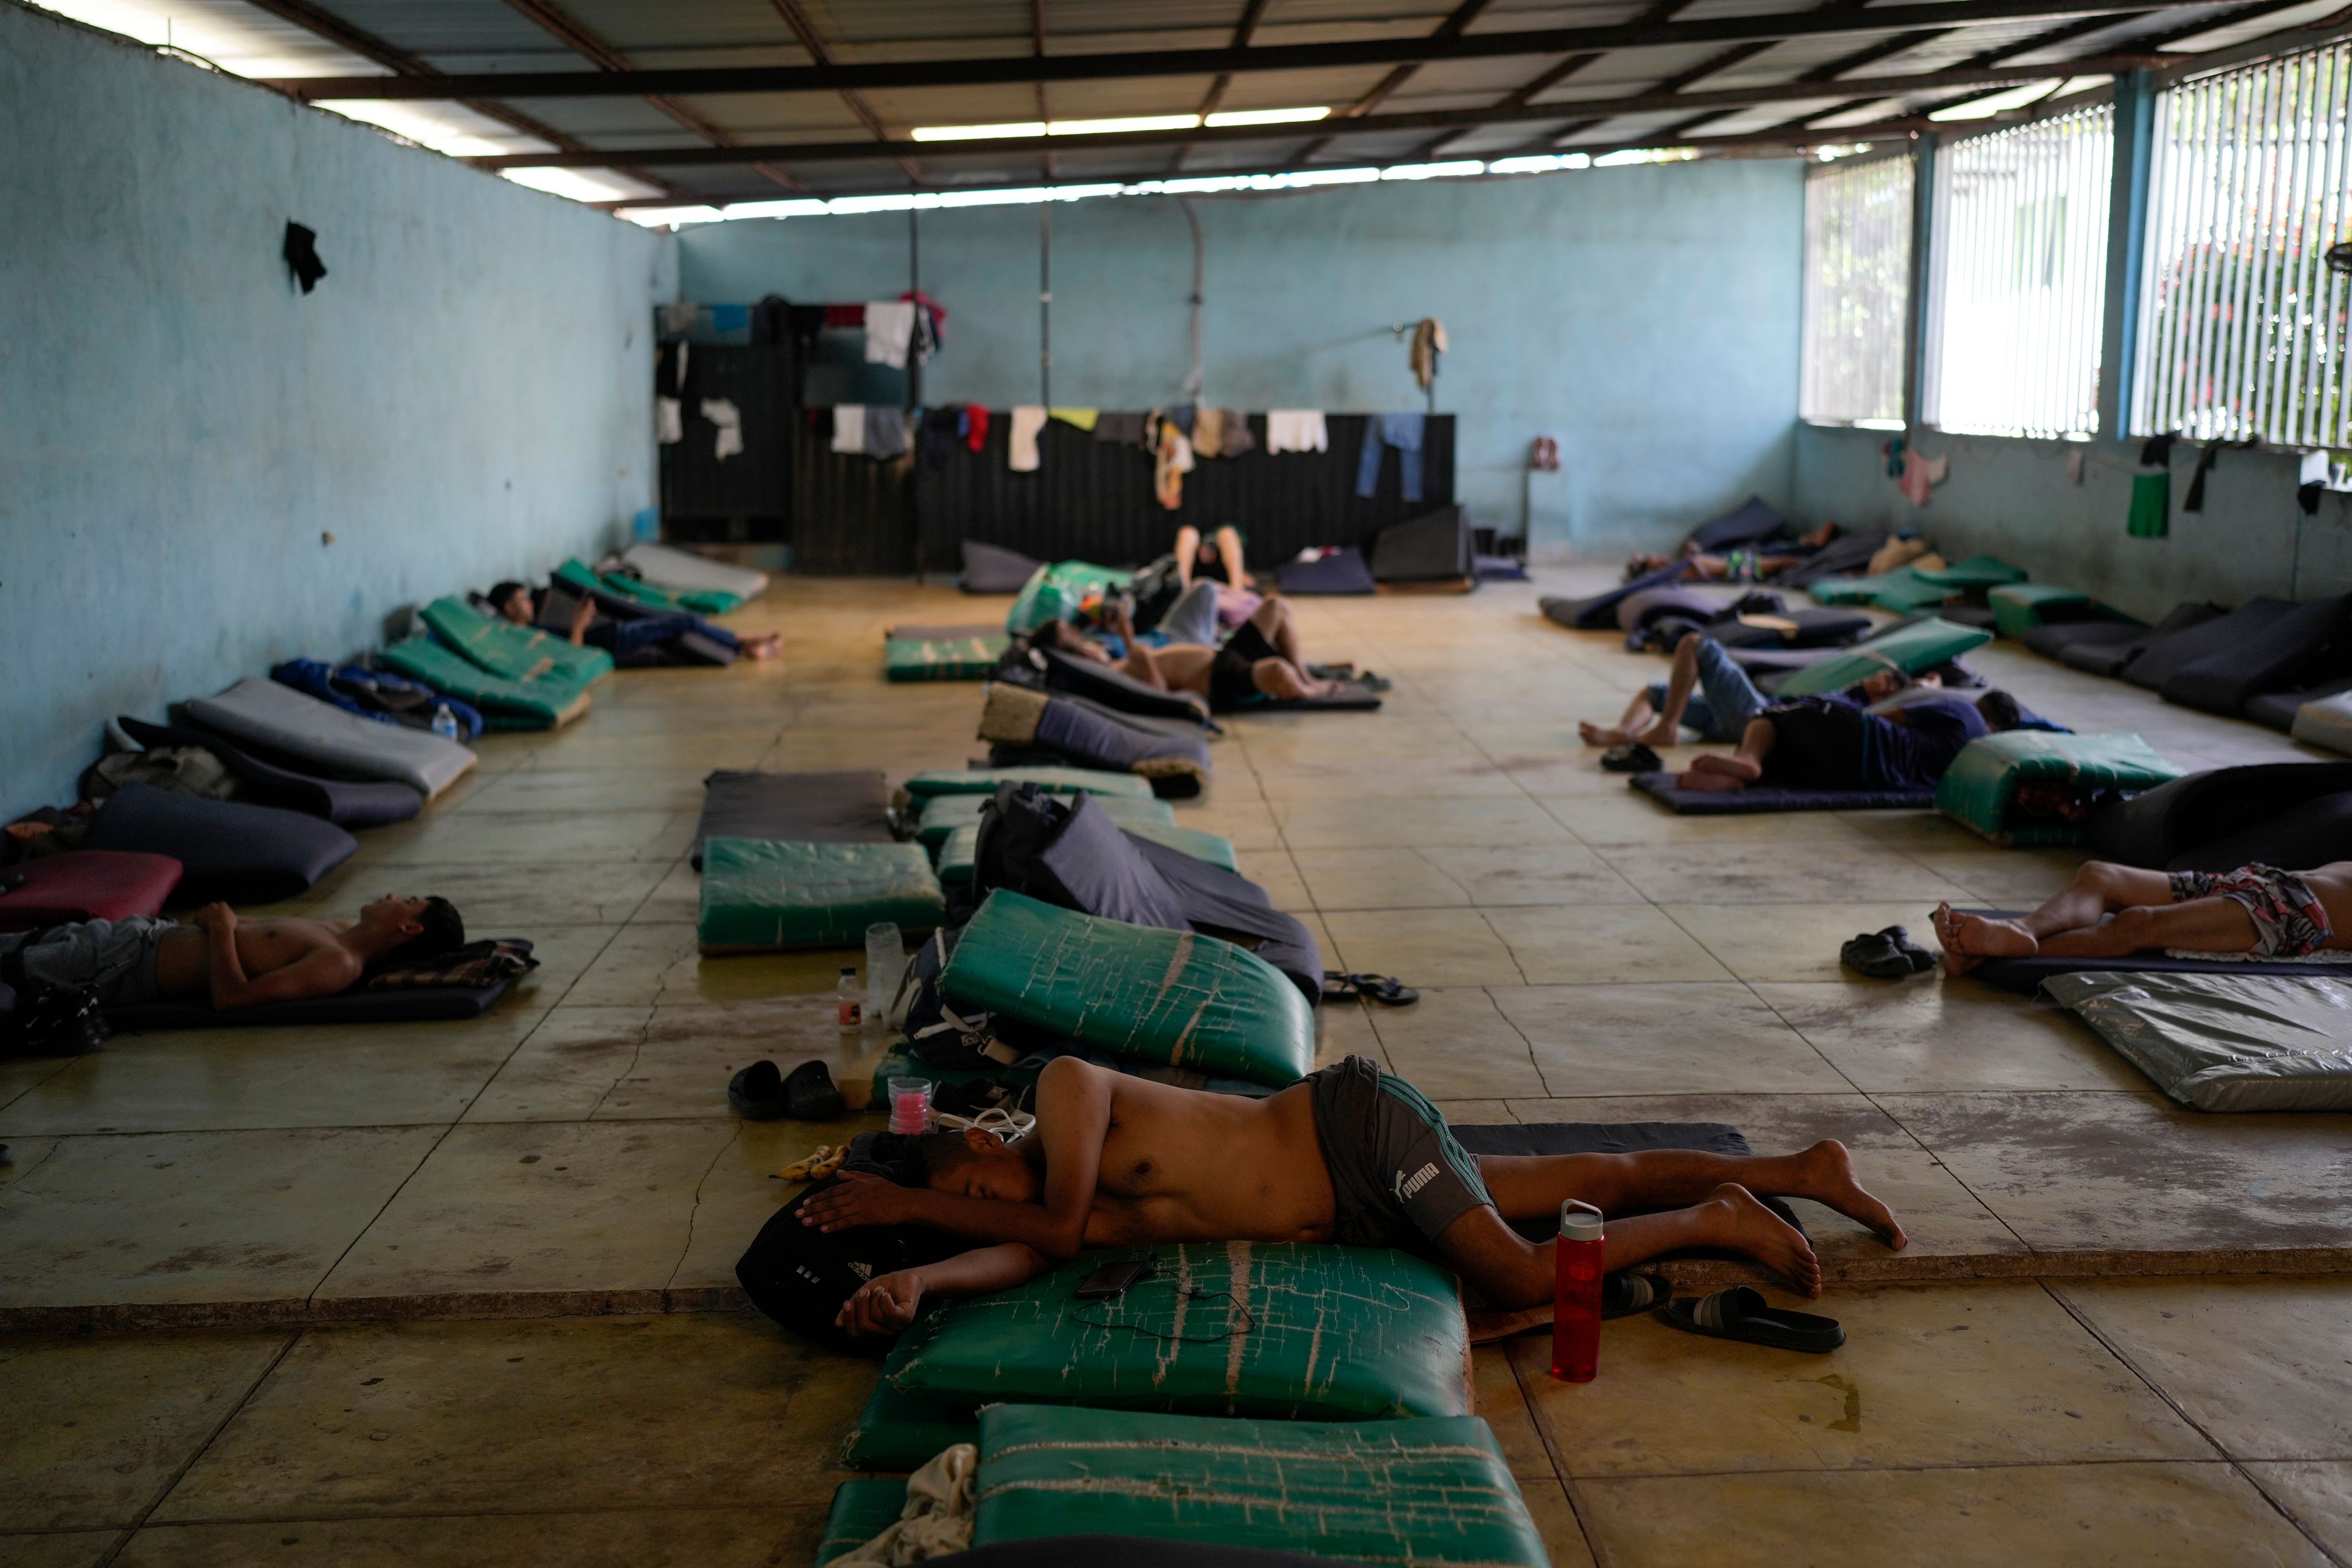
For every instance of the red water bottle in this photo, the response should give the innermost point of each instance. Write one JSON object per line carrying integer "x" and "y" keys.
{"x": 1576, "y": 1294}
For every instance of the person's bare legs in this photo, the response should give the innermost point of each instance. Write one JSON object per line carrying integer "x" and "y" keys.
{"x": 1273, "y": 619}
{"x": 1229, "y": 552}
{"x": 1188, "y": 545}
{"x": 1663, "y": 726}
{"x": 1713, "y": 769}
{"x": 2097, "y": 888}
{"x": 1531, "y": 1186}
{"x": 1638, "y": 714}
{"x": 1513, "y": 1275}
{"x": 1286, "y": 682}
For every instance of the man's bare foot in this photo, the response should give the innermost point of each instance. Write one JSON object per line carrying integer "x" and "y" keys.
{"x": 1706, "y": 778}
{"x": 1660, "y": 734}
{"x": 1825, "y": 1174}
{"x": 1594, "y": 734}
{"x": 1749, "y": 1226}
{"x": 1969, "y": 940}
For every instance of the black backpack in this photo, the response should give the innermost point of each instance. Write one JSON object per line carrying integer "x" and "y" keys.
{"x": 46, "y": 1020}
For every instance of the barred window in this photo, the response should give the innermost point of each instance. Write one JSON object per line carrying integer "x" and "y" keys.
{"x": 2019, "y": 280}
{"x": 2243, "y": 325}
{"x": 1857, "y": 289}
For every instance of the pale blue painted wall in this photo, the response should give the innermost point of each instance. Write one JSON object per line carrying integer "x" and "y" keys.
{"x": 466, "y": 395}
{"x": 2014, "y": 498}
{"x": 1647, "y": 317}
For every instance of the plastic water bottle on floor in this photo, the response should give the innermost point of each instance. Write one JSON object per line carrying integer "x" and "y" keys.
{"x": 848, "y": 999}
{"x": 1576, "y": 1294}
{"x": 885, "y": 961}
{"x": 445, "y": 724}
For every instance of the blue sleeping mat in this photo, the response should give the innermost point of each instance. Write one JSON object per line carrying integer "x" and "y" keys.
{"x": 244, "y": 854}
{"x": 2025, "y": 975}
{"x": 1660, "y": 787}
{"x": 418, "y": 1004}
{"x": 1343, "y": 572}
{"x": 2306, "y": 644}
{"x": 2167, "y": 655}
{"x": 1112, "y": 688}
{"x": 1598, "y": 613}
{"x": 1750, "y": 522}
{"x": 1024, "y": 726}
{"x": 346, "y": 803}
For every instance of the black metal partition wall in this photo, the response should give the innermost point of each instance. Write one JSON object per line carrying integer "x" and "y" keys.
{"x": 747, "y": 495}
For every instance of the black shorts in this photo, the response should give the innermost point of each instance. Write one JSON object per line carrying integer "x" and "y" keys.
{"x": 1398, "y": 1176}
{"x": 1233, "y": 677}
{"x": 1816, "y": 744}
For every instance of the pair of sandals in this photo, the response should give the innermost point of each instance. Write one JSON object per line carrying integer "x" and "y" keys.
{"x": 1739, "y": 1313}
{"x": 1888, "y": 954}
{"x": 1385, "y": 989}
{"x": 764, "y": 1093}
{"x": 1348, "y": 672}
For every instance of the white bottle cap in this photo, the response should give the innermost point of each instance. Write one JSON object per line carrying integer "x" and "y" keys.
{"x": 1579, "y": 1221}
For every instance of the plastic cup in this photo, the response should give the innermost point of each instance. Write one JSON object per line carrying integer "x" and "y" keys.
{"x": 910, "y": 1105}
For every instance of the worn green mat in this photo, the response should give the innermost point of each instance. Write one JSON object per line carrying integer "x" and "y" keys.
{"x": 862, "y": 1509}
{"x": 1901, "y": 590}
{"x": 1280, "y": 1331}
{"x": 1975, "y": 572}
{"x": 518, "y": 653}
{"x": 1982, "y": 781}
{"x": 1053, "y": 781}
{"x": 899, "y": 1432}
{"x": 1912, "y": 649}
{"x": 943, "y": 815}
{"x": 942, "y": 658}
{"x": 1174, "y": 998}
{"x": 761, "y": 894}
{"x": 505, "y": 704}
{"x": 2017, "y": 607}
{"x": 1426, "y": 1493}
{"x": 1055, "y": 592}
{"x": 693, "y": 601}
{"x": 956, "y": 854}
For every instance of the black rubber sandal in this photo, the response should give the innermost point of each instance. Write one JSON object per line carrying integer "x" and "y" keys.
{"x": 757, "y": 1093}
{"x": 1382, "y": 988}
{"x": 1874, "y": 954}
{"x": 810, "y": 1095}
{"x": 1632, "y": 758}
{"x": 1921, "y": 960}
{"x": 1741, "y": 1314}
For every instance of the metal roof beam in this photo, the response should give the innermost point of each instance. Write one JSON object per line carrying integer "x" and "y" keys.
{"x": 1020, "y": 69}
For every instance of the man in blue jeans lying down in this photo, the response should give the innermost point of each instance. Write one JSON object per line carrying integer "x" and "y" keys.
{"x": 1706, "y": 690}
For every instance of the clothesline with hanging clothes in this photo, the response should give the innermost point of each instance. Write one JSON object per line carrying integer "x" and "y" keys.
{"x": 912, "y": 326}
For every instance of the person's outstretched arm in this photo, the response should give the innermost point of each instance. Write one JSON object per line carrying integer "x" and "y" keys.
{"x": 1139, "y": 662}
{"x": 888, "y": 1302}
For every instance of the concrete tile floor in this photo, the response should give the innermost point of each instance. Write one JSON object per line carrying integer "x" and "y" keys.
{"x": 1584, "y": 955}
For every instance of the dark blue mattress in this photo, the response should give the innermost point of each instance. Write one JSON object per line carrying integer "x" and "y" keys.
{"x": 1660, "y": 787}
{"x": 2025, "y": 975}
{"x": 1345, "y": 572}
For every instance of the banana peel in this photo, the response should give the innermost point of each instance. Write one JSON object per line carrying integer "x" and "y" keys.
{"x": 816, "y": 1166}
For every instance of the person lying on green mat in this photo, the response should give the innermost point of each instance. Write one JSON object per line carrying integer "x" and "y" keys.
{"x": 1350, "y": 1154}
{"x": 517, "y": 603}
{"x": 1831, "y": 744}
{"x": 1706, "y": 688}
{"x": 2257, "y": 908}
{"x": 1263, "y": 659}
{"x": 228, "y": 961}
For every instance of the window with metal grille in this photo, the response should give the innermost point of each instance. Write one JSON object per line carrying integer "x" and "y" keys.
{"x": 2019, "y": 277}
{"x": 1857, "y": 290}
{"x": 2243, "y": 325}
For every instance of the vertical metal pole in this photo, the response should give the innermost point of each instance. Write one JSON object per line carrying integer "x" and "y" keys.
{"x": 914, "y": 287}
{"x": 2127, "y": 237}
{"x": 915, "y": 392}
{"x": 1045, "y": 302}
{"x": 1915, "y": 323}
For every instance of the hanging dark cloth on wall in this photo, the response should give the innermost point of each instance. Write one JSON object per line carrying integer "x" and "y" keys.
{"x": 1122, "y": 429}
{"x": 938, "y": 432}
{"x": 302, "y": 253}
{"x": 1403, "y": 431}
{"x": 885, "y": 432}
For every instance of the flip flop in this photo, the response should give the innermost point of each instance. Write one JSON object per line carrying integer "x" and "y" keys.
{"x": 810, "y": 1094}
{"x": 1921, "y": 959}
{"x": 1741, "y": 1314}
{"x": 1380, "y": 988}
{"x": 1874, "y": 954}
{"x": 1633, "y": 757}
{"x": 757, "y": 1093}
{"x": 1624, "y": 1293}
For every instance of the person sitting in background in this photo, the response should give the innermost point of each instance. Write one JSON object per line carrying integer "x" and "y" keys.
{"x": 1706, "y": 688}
{"x": 1831, "y": 744}
{"x": 1351, "y": 1155}
{"x": 1217, "y": 557}
{"x": 517, "y": 603}
{"x": 1263, "y": 659}
{"x": 2255, "y": 909}
{"x": 229, "y": 962}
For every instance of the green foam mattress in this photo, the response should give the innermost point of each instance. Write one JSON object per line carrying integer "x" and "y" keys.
{"x": 1053, "y": 781}
{"x": 942, "y": 658}
{"x": 1910, "y": 649}
{"x": 505, "y": 704}
{"x": 693, "y": 601}
{"x": 761, "y": 894}
{"x": 2018, "y": 607}
{"x": 1902, "y": 590}
{"x": 899, "y": 1432}
{"x": 1979, "y": 787}
{"x": 962, "y": 846}
{"x": 1426, "y": 1493}
{"x": 1172, "y": 998}
{"x": 517, "y": 653}
{"x": 943, "y": 815}
{"x": 1975, "y": 572}
{"x": 862, "y": 1509}
{"x": 1284, "y": 1330}
{"x": 1055, "y": 592}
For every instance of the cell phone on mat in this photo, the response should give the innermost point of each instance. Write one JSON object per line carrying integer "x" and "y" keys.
{"x": 1113, "y": 1279}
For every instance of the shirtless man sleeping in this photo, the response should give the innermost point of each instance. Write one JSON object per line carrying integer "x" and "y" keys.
{"x": 2255, "y": 909}
{"x": 1351, "y": 1155}
{"x": 1263, "y": 659}
{"x": 229, "y": 962}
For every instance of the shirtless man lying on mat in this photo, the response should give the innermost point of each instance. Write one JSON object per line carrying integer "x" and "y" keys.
{"x": 2255, "y": 909}
{"x": 228, "y": 961}
{"x": 1351, "y": 1155}
{"x": 1263, "y": 659}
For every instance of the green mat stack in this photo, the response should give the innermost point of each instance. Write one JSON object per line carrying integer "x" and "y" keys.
{"x": 520, "y": 677}
{"x": 1981, "y": 790}
{"x": 760, "y": 895}
{"x": 1910, "y": 649}
{"x": 942, "y": 653}
{"x": 693, "y": 601}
